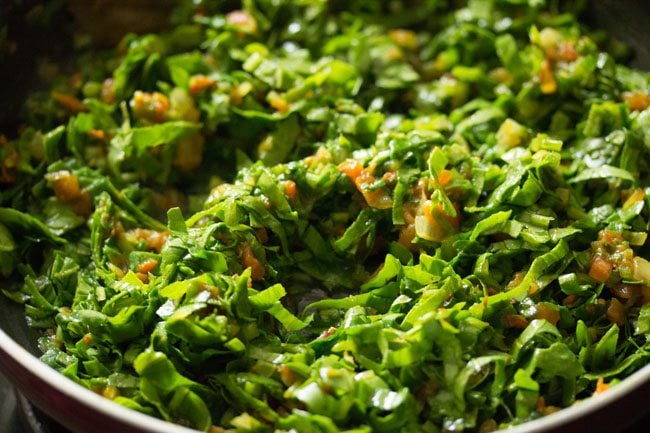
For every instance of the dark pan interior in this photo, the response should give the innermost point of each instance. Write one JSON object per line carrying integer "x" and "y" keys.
{"x": 627, "y": 20}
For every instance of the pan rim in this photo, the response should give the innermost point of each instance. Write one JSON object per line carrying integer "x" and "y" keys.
{"x": 18, "y": 354}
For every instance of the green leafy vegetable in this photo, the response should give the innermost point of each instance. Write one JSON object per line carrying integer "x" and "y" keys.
{"x": 325, "y": 216}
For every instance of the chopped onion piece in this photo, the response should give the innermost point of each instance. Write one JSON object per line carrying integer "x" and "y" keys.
{"x": 641, "y": 269}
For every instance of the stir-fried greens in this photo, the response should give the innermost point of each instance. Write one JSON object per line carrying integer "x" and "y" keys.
{"x": 339, "y": 216}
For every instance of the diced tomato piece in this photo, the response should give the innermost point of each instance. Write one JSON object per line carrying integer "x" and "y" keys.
{"x": 147, "y": 266}
{"x": 569, "y": 300}
{"x": 243, "y": 20}
{"x": 65, "y": 185}
{"x": 290, "y": 189}
{"x": 445, "y": 177}
{"x": 601, "y": 386}
{"x": 516, "y": 321}
{"x": 637, "y": 101}
{"x": 567, "y": 52}
{"x": 404, "y": 38}
{"x": 600, "y": 269}
{"x": 547, "y": 79}
{"x": 69, "y": 102}
{"x": 155, "y": 240}
{"x": 199, "y": 83}
{"x": 111, "y": 392}
{"x": 432, "y": 213}
{"x": 406, "y": 236}
{"x": 616, "y": 312}
{"x": 351, "y": 167}
{"x": 150, "y": 106}
{"x": 279, "y": 103}
{"x": 287, "y": 375}
{"x": 547, "y": 313}
{"x": 97, "y": 134}
{"x": 250, "y": 261}
{"x": 362, "y": 177}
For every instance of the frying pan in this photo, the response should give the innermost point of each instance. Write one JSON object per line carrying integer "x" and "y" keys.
{"x": 83, "y": 411}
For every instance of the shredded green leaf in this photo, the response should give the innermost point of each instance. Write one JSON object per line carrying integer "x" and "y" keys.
{"x": 325, "y": 216}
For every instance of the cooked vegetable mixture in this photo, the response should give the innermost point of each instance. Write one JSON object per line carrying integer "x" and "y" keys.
{"x": 339, "y": 216}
